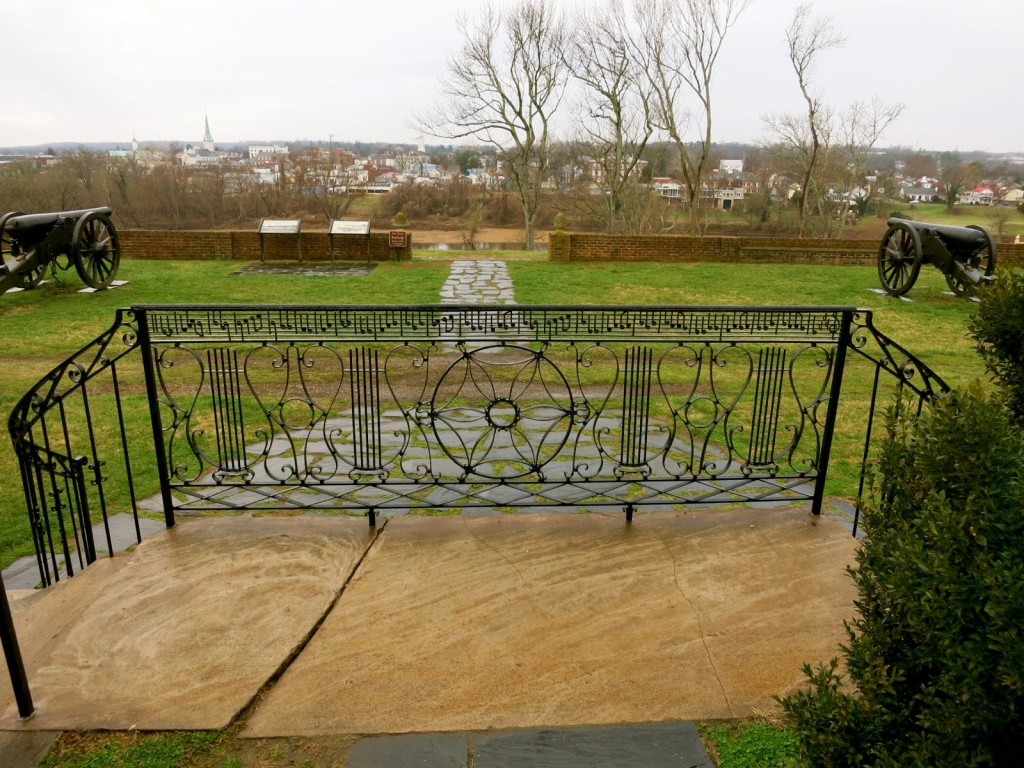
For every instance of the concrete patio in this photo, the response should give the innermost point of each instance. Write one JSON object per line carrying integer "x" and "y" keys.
{"x": 438, "y": 624}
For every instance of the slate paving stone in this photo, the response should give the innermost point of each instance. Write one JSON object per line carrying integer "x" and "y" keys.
{"x": 306, "y": 497}
{"x": 845, "y": 513}
{"x": 416, "y": 452}
{"x": 476, "y": 282}
{"x": 502, "y": 494}
{"x": 439, "y": 497}
{"x": 480, "y": 512}
{"x": 567, "y": 493}
{"x": 23, "y": 573}
{"x": 25, "y": 749}
{"x": 658, "y": 745}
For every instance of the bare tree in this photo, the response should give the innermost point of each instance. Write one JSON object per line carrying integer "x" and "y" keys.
{"x": 861, "y": 127}
{"x": 502, "y": 88}
{"x": 793, "y": 148}
{"x": 955, "y": 179}
{"x": 919, "y": 164}
{"x": 321, "y": 179}
{"x": 807, "y": 36}
{"x": 614, "y": 120}
{"x": 680, "y": 41}
{"x": 1000, "y": 217}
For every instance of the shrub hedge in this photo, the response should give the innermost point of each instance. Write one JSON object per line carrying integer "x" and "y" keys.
{"x": 935, "y": 656}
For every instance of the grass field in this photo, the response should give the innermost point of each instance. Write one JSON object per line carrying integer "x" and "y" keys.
{"x": 962, "y": 215}
{"x": 44, "y": 326}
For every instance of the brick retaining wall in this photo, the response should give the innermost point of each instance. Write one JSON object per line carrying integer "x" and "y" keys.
{"x": 565, "y": 246}
{"x": 562, "y": 246}
{"x": 219, "y": 244}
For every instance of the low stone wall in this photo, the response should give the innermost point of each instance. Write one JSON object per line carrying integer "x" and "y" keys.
{"x": 565, "y": 246}
{"x": 245, "y": 246}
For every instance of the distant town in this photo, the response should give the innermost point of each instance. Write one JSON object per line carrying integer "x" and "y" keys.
{"x": 204, "y": 183}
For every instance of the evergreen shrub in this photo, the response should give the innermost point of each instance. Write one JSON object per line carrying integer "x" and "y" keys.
{"x": 998, "y": 329}
{"x": 936, "y": 652}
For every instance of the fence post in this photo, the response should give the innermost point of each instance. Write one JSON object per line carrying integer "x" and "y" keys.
{"x": 12, "y": 652}
{"x": 830, "y": 415}
{"x": 142, "y": 318}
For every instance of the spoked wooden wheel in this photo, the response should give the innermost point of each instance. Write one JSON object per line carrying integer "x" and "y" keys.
{"x": 95, "y": 250}
{"x": 899, "y": 259}
{"x": 32, "y": 277}
{"x": 984, "y": 261}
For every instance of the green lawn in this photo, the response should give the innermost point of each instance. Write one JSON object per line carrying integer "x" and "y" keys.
{"x": 962, "y": 215}
{"x": 933, "y": 325}
{"x": 44, "y": 326}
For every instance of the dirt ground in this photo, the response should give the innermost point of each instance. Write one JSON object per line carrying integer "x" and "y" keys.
{"x": 489, "y": 235}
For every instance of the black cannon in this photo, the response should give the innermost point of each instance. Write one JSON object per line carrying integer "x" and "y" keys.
{"x": 29, "y": 243}
{"x": 965, "y": 255}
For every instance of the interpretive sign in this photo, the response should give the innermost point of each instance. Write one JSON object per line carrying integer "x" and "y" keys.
{"x": 339, "y": 227}
{"x": 280, "y": 227}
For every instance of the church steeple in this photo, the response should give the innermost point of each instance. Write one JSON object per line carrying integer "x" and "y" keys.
{"x": 207, "y": 136}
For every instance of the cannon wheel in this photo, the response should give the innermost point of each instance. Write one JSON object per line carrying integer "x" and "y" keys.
{"x": 899, "y": 259}
{"x": 984, "y": 261}
{"x": 30, "y": 278}
{"x": 95, "y": 250}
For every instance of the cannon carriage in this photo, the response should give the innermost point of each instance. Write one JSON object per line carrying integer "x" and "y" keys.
{"x": 966, "y": 256}
{"x": 31, "y": 243}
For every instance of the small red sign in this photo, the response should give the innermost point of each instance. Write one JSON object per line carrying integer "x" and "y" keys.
{"x": 398, "y": 239}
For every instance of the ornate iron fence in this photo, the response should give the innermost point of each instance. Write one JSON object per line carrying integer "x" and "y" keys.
{"x": 411, "y": 408}
{"x": 394, "y": 409}
{"x": 399, "y": 408}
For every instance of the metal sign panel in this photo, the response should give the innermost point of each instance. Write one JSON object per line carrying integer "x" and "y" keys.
{"x": 280, "y": 226}
{"x": 339, "y": 227}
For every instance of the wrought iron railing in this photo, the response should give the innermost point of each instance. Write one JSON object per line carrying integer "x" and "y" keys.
{"x": 424, "y": 407}
{"x": 69, "y": 435}
{"x": 391, "y": 409}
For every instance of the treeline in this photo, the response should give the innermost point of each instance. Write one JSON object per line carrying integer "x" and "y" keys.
{"x": 170, "y": 196}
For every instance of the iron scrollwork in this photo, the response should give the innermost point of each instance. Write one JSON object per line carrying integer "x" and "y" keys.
{"x": 420, "y": 407}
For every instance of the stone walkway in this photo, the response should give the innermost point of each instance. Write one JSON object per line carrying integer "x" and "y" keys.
{"x": 478, "y": 281}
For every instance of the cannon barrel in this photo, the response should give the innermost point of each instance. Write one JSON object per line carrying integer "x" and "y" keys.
{"x": 967, "y": 237}
{"x": 31, "y": 221}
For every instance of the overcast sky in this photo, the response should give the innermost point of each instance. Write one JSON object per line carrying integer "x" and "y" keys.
{"x": 107, "y": 70}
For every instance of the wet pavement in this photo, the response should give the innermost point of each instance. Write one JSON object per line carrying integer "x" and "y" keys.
{"x": 452, "y": 624}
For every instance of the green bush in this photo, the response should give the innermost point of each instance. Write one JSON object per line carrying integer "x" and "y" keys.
{"x": 936, "y": 653}
{"x": 998, "y": 329}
